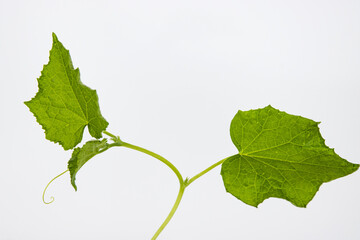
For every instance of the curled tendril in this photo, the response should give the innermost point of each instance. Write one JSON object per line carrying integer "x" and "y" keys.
{"x": 51, "y": 198}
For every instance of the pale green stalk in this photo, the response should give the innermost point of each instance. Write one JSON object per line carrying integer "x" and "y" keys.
{"x": 177, "y": 173}
{"x": 172, "y": 212}
{"x": 205, "y": 171}
{"x": 183, "y": 184}
{"x": 51, "y": 198}
{"x": 157, "y": 156}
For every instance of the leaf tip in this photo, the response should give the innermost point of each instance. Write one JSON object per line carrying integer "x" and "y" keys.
{"x": 73, "y": 179}
{"x": 55, "y": 39}
{"x": 26, "y": 103}
{"x": 356, "y": 166}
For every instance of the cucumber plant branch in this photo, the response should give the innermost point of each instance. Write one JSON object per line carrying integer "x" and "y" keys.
{"x": 278, "y": 154}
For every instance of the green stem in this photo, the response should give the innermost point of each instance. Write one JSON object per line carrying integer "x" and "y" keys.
{"x": 183, "y": 184}
{"x": 205, "y": 171}
{"x": 157, "y": 156}
{"x": 177, "y": 173}
{"x": 172, "y": 212}
{"x": 110, "y": 134}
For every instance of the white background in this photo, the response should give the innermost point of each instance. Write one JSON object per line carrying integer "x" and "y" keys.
{"x": 170, "y": 76}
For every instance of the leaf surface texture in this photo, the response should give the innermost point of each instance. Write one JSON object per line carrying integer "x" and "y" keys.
{"x": 280, "y": 155}
{"x": 64, "y": 105}
{"x": 81, "y": 155}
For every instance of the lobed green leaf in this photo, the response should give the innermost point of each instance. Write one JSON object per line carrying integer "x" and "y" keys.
{"x": 81, "y": 155}
{"x": 63, "y": 106}
{"x": 280, "y": 155}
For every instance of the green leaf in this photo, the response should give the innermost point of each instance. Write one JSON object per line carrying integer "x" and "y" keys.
{"x": 81, "y": 155}
{"x": 64, "y": 105}
{"x": 280, "y": 155}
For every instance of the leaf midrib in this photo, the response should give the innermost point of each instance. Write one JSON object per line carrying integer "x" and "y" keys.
{"x": 59, "y": 48}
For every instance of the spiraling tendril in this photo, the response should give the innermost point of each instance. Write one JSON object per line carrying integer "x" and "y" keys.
{"x": 51, "y": 198}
